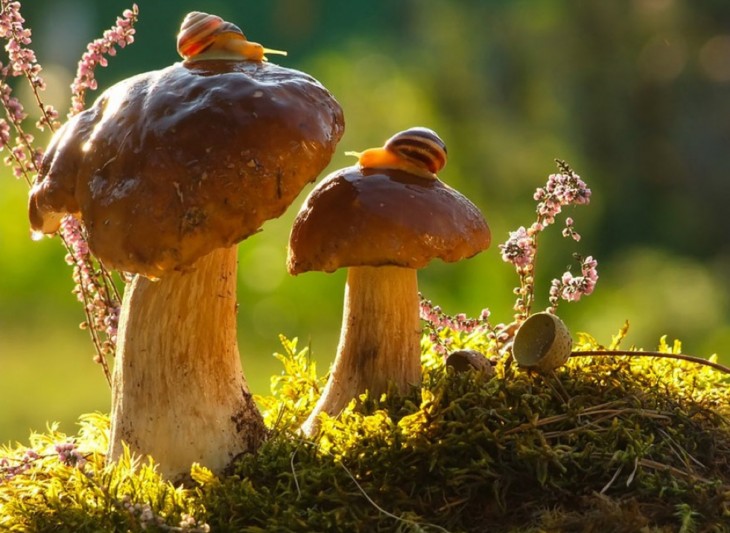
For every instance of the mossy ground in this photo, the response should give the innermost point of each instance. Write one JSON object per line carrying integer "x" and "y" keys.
{"x": 605, "y": 444}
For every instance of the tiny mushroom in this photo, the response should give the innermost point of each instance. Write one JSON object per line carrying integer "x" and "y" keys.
{"x": 168, "y": 170}
{"x": 383, "y": 218}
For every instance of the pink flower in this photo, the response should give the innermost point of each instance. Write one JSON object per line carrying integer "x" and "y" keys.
{"x": 436, "y": 321}
{"x": 519, "y": 249}
{"x": 569, "y": 230}
{"x": 560, "y": 190}
{"x": 571, "y": 288}
{"x": 101, "y": 310}
{"x": 121, "y": 34}
{"x": 94, "y": 287}
{"x": 4, "y": 133}
{"x": 69, "y": 455}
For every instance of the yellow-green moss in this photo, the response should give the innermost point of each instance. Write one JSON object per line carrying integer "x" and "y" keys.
{"x": 605, "y": 444}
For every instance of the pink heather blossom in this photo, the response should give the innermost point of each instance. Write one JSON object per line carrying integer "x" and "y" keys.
{"x": 569, "y": 230}
{"x": 563, "y": 189}
{"x": 519, "y": 249}
{"x": 121, "y": 34}
{"x": 69, "y": 455}
{"x": 102, "y": 309}
{"x": 4, "y": 133}
{"x": 571, "y": 288}
{"x": 94, "y": 287}
{"x": 560, "y": 190}
{"x": 146, "y": 516}
{"x": 22, "y": 61}
{"x": 13, "y": 108}
{"x": 10, "y": 467}
{"x": 438, "y": 320}
{"x": 71, "y": 231}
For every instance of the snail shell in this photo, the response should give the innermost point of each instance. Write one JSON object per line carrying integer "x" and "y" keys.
{"x": 417, "y": 150}
{"x": 199, "y": 31}
{"x": 205, "y": 36}
{"x": 421, "y": 146}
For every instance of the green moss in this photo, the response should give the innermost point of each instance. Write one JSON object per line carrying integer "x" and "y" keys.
{"x": 603, "y": 444}
{"x": 40, "y": 492}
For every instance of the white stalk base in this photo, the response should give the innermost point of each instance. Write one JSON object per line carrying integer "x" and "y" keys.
{"x": 380, "y": 341}
{"x": 178, "y": 391}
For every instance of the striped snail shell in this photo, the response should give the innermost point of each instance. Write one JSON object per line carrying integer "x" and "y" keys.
{"x": 419, "y": 151}
{"x": 421, "y": 146}
{"x": 199, "y": 31}
{"x": 202, "y": 33}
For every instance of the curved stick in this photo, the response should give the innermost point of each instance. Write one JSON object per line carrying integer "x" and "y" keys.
{"x": 683, "y": 357}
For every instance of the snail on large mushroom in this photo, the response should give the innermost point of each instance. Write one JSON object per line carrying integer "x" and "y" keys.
{"x": 168, "y": 170}
{"x": 204, "y": 36}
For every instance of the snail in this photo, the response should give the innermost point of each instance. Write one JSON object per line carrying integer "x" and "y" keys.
{"x": 417, "y": 150}
{"x": 204, "y": 36}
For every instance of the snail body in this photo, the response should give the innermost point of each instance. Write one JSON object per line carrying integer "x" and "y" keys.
{"x": 416, "y": 150}
{"x": 204, "y": 36}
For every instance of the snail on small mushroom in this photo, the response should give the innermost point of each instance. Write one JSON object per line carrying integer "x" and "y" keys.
{"x": 383, "y": 219}
{"x": 418, "y": 151}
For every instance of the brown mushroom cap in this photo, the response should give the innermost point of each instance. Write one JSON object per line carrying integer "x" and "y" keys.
{"x": 169, "y": 165}
{"x": 375, "y": 217}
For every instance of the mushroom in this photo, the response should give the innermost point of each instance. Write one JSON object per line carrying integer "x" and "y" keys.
{"x": 383, "y": 218}
{"x": 168, "y": 170}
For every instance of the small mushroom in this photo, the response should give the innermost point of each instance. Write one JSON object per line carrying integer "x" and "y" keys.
{"x": 168, "y": 170}
{"x": 383, "y": 219}
{"x": 542, "y": 343}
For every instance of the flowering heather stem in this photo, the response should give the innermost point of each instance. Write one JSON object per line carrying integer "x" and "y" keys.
{"x": 520, "y": 249}
{"x": 436, "y": 320}
{"x": 94, "y": 285}
{"x": 571, "y": 288}
{"x": 101, "y": 305}
{"x": 121, "y": 34}
{"x": 23, "y": 60}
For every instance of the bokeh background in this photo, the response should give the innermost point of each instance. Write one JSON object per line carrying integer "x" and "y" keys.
{"x": 634, "y": 94}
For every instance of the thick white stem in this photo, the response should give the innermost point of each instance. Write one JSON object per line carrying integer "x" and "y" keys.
{"x": 380, "y": 341}
{"x": 178, "y": 391}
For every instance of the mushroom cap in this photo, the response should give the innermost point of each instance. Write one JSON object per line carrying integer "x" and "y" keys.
{"x": 169, "y": 165}
{"x": 374, "y": 217}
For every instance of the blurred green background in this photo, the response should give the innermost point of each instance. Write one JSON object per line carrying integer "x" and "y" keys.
{"x": 635, "y": 95}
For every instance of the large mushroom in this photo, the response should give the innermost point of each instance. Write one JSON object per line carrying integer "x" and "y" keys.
{"x": 168, "y": 171}
{"x": 383, "y": 218}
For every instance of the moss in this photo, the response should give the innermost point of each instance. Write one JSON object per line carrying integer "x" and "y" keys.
{"x": 603, "y": 444}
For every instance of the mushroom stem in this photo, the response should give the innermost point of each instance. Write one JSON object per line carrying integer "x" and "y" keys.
{"x": 380, "y": 341}
{"x": 178, "y": 391}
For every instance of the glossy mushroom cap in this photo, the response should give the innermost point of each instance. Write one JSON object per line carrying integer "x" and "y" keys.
{"x": 169, "y": 165}
{"x": 374, "y": 217}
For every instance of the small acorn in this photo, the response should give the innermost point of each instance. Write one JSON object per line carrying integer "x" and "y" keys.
{"x": 542, "y": 343}
{"x": 465, "y": 360}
